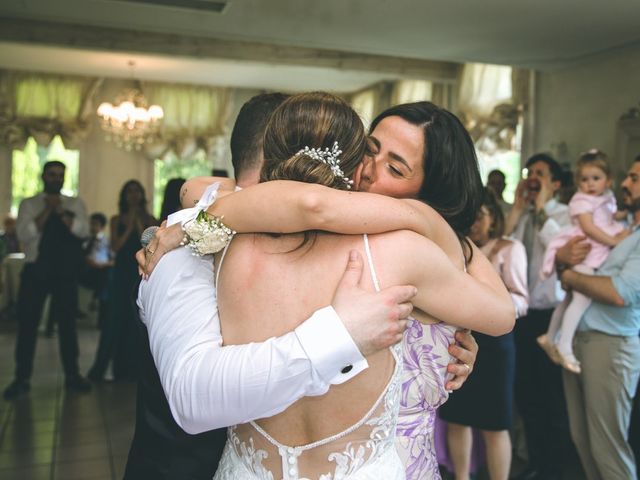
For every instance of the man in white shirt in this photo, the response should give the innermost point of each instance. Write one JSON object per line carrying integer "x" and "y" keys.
{"x": 50, "y": 226}
{"x": 535, "y": 218}
{"x": 208, "y": 385}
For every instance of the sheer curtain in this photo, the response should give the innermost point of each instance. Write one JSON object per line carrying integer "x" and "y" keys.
{"x": 370, "y": 101}
{"x": 487, "y": 107}
{"x": 373, "y": 100}
{"x": 405, "y": 91}
{"x": 194, "y": 118}
{"x": 43, "y": 106}
{"x": 482, "y": 88}
{"x": 490, "y": 103}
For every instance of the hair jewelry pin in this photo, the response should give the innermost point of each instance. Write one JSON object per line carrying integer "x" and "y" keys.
{"x": 330, "y": 158}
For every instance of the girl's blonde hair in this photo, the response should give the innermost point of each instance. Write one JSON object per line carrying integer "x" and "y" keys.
{"x": 593, "y": 158}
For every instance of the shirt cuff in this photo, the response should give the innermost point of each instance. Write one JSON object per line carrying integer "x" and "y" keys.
{"x": 330, "y": 348}
{"x": 623, "y": 289}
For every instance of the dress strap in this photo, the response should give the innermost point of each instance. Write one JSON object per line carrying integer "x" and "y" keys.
{"x": 219, "y": 267}
{"x": 374, "y": 277}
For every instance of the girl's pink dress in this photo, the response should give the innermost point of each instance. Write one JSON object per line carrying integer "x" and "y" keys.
{"x": 602, "y": 207}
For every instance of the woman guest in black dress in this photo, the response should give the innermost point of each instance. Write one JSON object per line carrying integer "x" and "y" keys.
{"x": 485, "y": 401}
{"x": 118, "y": 338}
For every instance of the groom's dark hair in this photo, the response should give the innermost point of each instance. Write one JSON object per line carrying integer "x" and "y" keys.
{"x": 248, "y": 131}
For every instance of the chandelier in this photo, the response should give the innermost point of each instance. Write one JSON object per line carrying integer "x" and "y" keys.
{"x": 129, "y": 122}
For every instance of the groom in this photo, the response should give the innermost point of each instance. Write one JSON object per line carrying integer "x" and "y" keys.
{"x": 209, "y": 386}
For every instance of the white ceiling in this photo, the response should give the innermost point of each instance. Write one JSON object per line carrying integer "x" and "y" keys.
{"x": 220, "y": 72}
{"x": 534, "y": 33}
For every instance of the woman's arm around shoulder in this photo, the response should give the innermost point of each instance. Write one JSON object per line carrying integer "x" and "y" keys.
{"x": 444, "y": 291}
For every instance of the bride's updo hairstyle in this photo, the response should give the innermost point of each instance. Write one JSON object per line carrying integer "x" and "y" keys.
{"x": 314, "y": 120}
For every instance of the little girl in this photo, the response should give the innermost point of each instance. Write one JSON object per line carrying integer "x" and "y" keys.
{"x": 593, "y": 214}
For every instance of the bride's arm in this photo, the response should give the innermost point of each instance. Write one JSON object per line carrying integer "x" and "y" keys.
{"x": 287, "y": 206}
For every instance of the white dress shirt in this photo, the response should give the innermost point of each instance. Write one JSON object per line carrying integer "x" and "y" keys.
{"x": 26, "y": 227}
{"x": 543, "y": 293}
{"x": 209, "y": 385}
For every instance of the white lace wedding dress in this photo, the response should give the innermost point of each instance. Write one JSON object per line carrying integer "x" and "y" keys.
{"x": 364, "y": 451}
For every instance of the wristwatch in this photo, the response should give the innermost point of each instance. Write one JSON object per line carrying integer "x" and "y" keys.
{"x": 560, "y": 268}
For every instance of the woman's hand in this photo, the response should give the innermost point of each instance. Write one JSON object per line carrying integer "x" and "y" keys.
{"x": 465, "y": 352}
{"x": 164, "y": 240}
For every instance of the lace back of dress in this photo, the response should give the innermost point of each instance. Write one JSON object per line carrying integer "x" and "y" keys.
{"x": 367, "y": 443}
{"x": 332, "y": 458}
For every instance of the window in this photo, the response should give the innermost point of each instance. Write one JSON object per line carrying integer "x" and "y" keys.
{"x": 26, "y": 169}
{"x": 508, "y": 161}
{"x": 171, "y": 166}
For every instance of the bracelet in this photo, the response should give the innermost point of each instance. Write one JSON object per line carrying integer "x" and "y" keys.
{"x": 560, "y": 268}
{"x": 206, "y": 234}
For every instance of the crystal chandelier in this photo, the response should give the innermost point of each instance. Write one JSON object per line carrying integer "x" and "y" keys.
{"x": 129, "y": 123}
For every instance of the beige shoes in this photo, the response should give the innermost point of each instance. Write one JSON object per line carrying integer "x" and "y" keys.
{"x": 549, "y": 348}
{"x": 568, "y": 362}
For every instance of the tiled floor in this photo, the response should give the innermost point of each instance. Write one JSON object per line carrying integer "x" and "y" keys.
{"x": 52, "y": 434}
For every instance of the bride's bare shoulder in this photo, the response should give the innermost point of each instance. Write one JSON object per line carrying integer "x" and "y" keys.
{"x": 403, "y": 244}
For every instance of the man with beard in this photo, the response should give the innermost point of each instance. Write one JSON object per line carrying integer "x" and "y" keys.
{"x": 600, "y": 400}
{"x": 51, "y": 227}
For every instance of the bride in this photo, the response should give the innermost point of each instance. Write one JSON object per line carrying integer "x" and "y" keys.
{"x": 349, "y": 432}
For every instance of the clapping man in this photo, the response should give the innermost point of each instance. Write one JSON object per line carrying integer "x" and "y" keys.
{"x": 50, "y": 227}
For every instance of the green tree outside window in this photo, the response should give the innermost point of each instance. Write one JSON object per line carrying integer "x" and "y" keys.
{"x": 27, "y": 168}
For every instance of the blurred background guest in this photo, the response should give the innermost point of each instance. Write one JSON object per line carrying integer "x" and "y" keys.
{"x": 171, "y": 198}
{"x": 567, "y": 186}
{"x": 51, "y": 227}
{"x": 485, "y": 401}
{"x": 219, "y": 172}
{"x": 98, "y": 263}
{"x": 497, "y": 182}
{"x": 9, "y": 242}
{"x": 118, "y": 338}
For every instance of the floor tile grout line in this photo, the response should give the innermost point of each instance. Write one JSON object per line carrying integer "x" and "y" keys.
{"x": 108, "y": 432}
{"x": 5, "y": 423}
{"x": 56, "y": 428}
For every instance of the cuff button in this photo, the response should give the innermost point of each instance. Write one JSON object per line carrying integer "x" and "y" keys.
{"x": 347, "y": 369}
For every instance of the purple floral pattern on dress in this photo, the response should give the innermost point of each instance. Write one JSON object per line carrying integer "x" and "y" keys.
{"x": 426, "y": 356}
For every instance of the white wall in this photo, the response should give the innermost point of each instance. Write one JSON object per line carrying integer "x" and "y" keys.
{"x": 104, "y": 168}
{"x": 580, "y": 105}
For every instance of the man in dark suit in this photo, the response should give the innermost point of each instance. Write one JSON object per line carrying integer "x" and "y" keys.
{"x": 51, "y": 227}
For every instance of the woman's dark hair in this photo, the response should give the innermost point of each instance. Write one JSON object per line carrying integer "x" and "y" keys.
{"x": 171, "y": 198}
{"x": 452, "y": 185}
{"x": 123, "y": 206}
{"x": 490, "y": 202}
